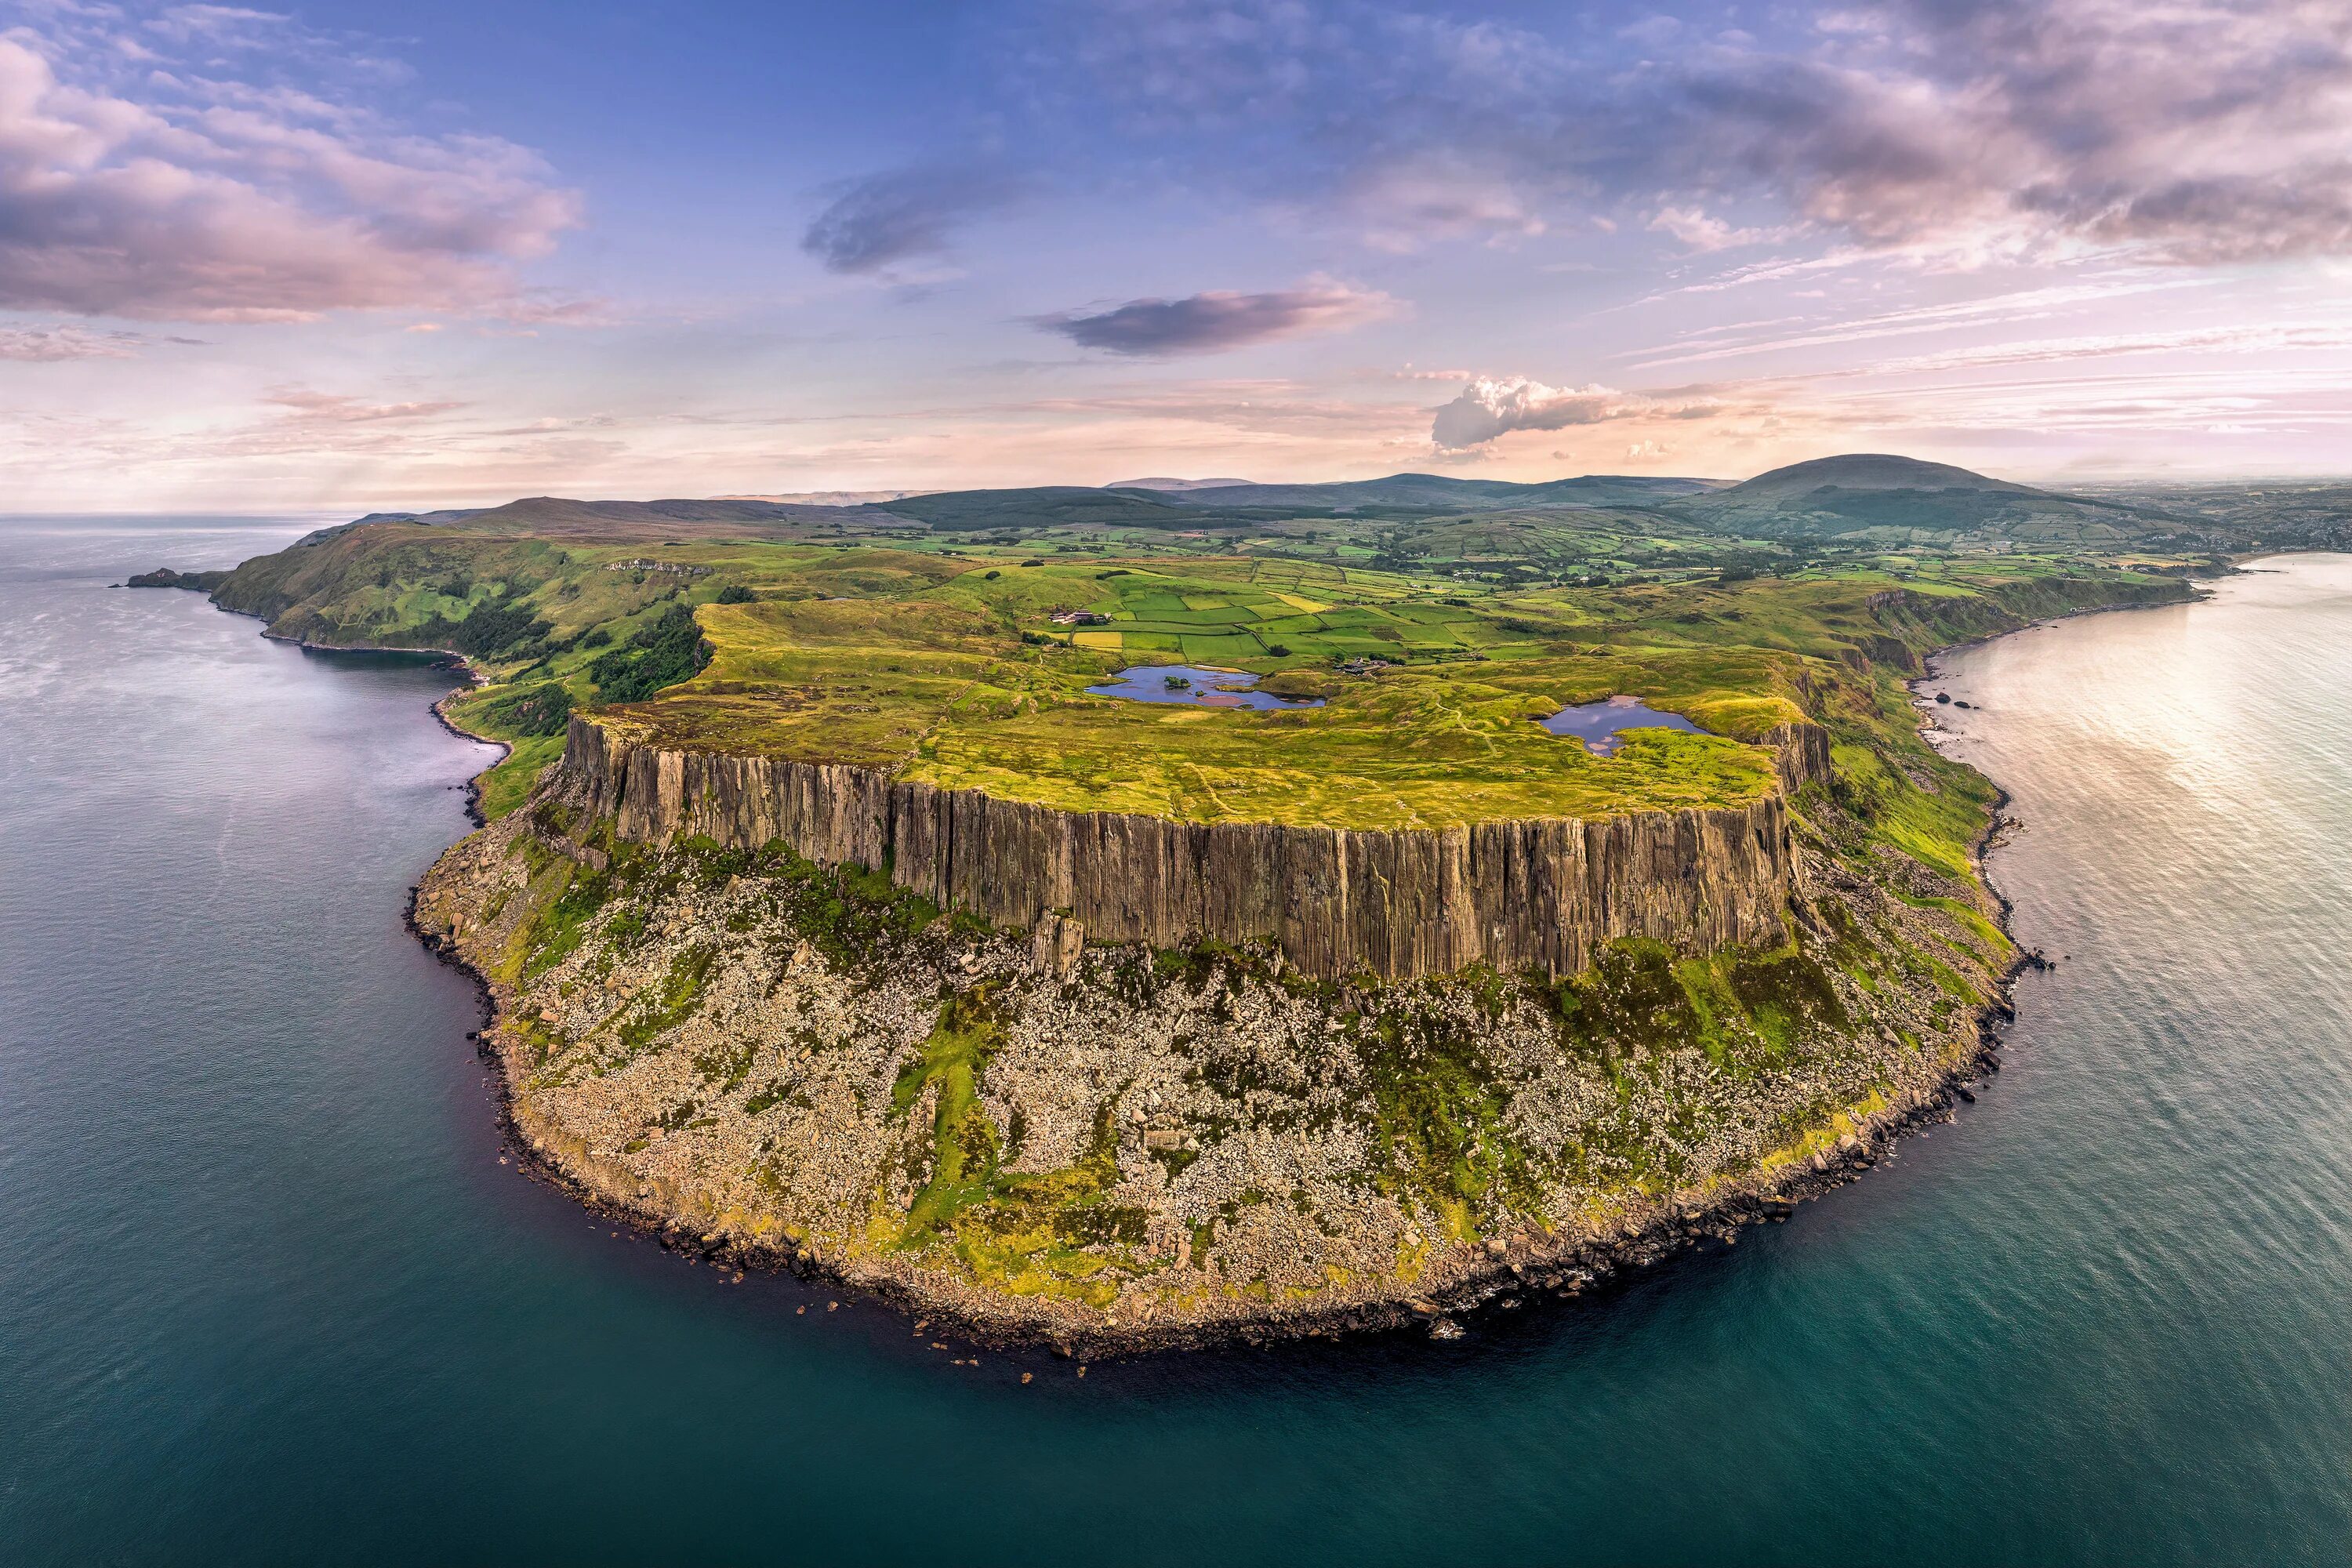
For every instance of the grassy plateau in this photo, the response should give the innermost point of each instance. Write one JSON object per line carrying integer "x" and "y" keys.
{"x": 941, "y": 658}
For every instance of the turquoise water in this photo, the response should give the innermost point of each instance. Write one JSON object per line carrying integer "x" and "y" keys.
{"x": 1601, "y": 725}
{"x": 1149, "y": 683}
{"x": 268, "y": 1295}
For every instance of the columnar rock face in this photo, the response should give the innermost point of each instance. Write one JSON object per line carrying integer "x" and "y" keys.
{"x": 1541, "y": 893}
{"x": 1801, "y": 754}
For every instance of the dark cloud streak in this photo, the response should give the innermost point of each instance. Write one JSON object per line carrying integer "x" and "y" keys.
{"x": 902, "y": 215}
{"x": 1219, "y": 320}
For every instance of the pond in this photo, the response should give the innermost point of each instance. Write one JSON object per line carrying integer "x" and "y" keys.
{"x": 1600, "y": 725}
{"x": 1196, "y": 685}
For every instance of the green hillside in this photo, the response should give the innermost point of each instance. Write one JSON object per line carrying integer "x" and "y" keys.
{"x": 1886, "y": 499}
{"x": 936, "y": 657}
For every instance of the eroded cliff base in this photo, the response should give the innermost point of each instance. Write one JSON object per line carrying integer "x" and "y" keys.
{"x": 1107, "y": 1145}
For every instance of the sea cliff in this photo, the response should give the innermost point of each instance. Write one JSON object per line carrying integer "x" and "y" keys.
{"x": 1040, "y": 1071}
{"x": 1546, "y": 894}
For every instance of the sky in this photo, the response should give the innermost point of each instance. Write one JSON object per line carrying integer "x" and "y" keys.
{"x": 340, "y": 256}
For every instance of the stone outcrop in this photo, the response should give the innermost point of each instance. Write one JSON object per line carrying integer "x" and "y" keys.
{"x": 1541, "y": 893}
{"x": 1151, "y": 1154}
{"x": 1801, "y": 754}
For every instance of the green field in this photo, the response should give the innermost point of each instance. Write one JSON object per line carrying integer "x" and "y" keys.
{"x": 938, "y": 658}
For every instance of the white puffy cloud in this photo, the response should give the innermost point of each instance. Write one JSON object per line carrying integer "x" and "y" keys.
{"x": 1489, "y": 407}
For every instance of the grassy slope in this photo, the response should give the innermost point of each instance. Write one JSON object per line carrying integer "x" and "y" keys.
{"x": 946, "y": 667}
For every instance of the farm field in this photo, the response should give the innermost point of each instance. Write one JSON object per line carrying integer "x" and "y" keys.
{"x": 944, "y": 660}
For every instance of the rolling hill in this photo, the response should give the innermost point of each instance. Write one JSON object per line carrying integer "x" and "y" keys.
{"x": 1865, "y": 472}
{"x": 1440, "y": 492}
{"x": 1883, "y": 499}
{"x": 628, "y": 522}
{"x": 1864, "y": 498}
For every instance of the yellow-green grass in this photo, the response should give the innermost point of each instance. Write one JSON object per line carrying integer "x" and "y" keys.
{"x": 948, "y": 669}
{"x": 934, "y": 691}
{"x": 508, "y": 784}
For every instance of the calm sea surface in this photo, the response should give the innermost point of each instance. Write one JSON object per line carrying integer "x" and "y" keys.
{"x": 268, "y": 1295}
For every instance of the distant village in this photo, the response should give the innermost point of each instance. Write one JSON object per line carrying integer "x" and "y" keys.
{"x": 677, "y": 568}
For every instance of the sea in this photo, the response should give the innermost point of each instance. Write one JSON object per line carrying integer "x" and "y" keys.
{"x": 273, "y": 1290}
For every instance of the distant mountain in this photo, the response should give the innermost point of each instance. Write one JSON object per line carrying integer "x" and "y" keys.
{"x": 1440, "y": 492}
{"x": 1879, "y": 497}
{"x": 1210, "y": 503}
{"x": 429, "y": 519}
{"x": 1870, "y": 497}
{"x": 1040, "y": 506}
{"x": 625, "y": 522}
{"x": 1867, "y": 471}
{"x": 827, "y": 498}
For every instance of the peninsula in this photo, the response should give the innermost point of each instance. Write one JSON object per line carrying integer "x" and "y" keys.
{"x": 857, "y": 897}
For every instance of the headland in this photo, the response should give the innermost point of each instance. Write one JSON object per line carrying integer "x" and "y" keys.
{"x": 831, "y": 921}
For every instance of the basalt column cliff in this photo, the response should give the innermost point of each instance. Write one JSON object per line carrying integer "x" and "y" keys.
{"x": 1111, "y": 1078}
{"x": 1543, "y": 894}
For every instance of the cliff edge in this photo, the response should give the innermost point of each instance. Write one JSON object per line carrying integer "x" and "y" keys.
{"x": 1547, "y": 893}
{"x": 1109, "y": 1081}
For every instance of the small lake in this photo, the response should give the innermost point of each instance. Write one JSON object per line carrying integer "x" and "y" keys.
{"x": 1194, "y": 686}
{"x": 1600, "y": 725}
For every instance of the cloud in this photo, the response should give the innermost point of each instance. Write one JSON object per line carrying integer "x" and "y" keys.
{"x": 1698, "y": 231}
{"x": 51, "y": 345}
{"x": 2195, "y": 133}
{"x": 2275, "y": 337}
{"x": 1422, "y": 201}
{"x": 192, "y": 199}
{"x": 2192, "y": 133}
{"x": 900, "y": 215}
{"x": 1219, "y": 320}
{"x": 1999, "y": 312}
{"x": 1490, "y": 407}
{"x": 303, "y": 404}
{"x": 217, "y": 26}
{"x": 2203, "y": 133}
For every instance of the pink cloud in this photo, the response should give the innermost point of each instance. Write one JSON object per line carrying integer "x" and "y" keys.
{"x": 213, "y": 205}
{"x": 53, "y": 344}
{"x": 1489, "y": 407}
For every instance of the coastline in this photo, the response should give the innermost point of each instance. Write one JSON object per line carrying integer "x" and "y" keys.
{"x": 1645, "y": 1233}
{"x": 1571, "y": 1269}
{"x": 1506, "y": 1275}
{"x": 440, "y": 712}
{"x": 450, "y": 658}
